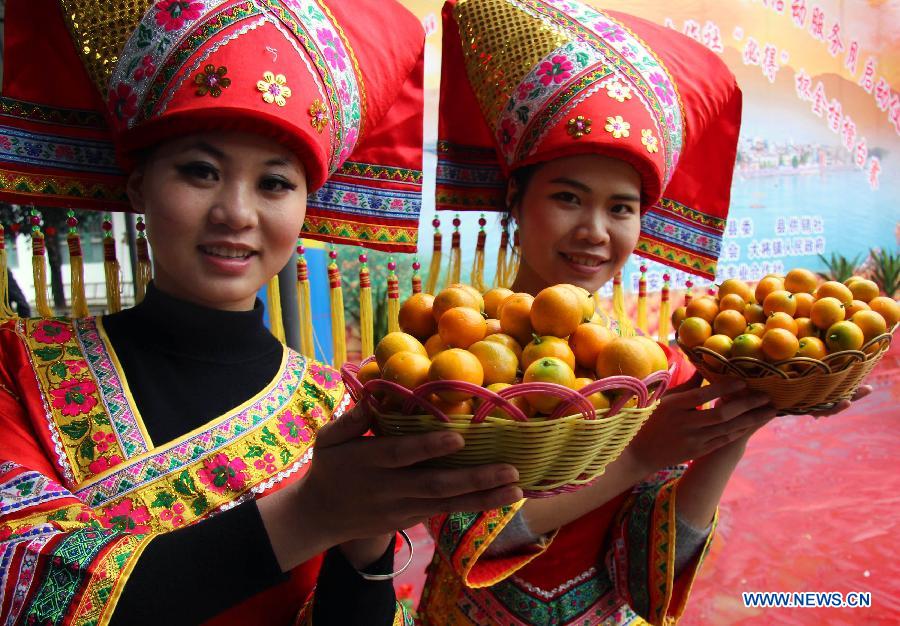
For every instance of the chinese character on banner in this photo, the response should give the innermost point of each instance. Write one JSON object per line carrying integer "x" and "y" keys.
{"x": 793, "y": 225}
{"x": 766, "y": 267}
{"x": 746, "y": 227}
{"x": 755, "y": 272}
{"x": 430, "y": 24}
{"x": 835, "y": 45}
{"x": 780, "y": 226}
{"x": 778, "y": 267}
{"x": 798, "y": 13}
{"x": 848, "y": 133}
{"x": 751, "y": 52}
{"x": 874, "y": 172}
{"x": 818, "y": 225}
{"x": 852, "y": 59}
{"x": 744, "y": 272}
{"x": 834, "y": 116}
{"x": 817, "y": 23}
{"x": 668, "y": 23}
{"x": 805, "y": 225}
{"x": 692, "y": 30}
{"x": 797, "y": 246}
{"x": 765, "y": 248}
{"x": 775, "y": 5}
{"x": 654, "y": 281}
{"x": 712, "y": 37}
{"x": 820, "y": 245}
{"x": 776, "y": 247}
{"x": 894, "y": 115}
{"x": 820, "y": 102}
{"x": 731, "y": 228}
{"x": 809, "y": 246}
{"x": 770, "y": 63}
{"x": 882, "y": 94}
{"x": 732, "y": 251}
{"x": 803, "y": 83}
{"x": 753, "y": 250}
{"x": 868, "y": 78}
{"x": 862, "y": 153}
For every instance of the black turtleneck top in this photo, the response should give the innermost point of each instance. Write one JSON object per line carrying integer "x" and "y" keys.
{"x": 187, "y": 365}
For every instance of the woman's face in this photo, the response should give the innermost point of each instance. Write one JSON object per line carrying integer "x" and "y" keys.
{"x": 579, "y": 219}
{"x": 223, "y": 214}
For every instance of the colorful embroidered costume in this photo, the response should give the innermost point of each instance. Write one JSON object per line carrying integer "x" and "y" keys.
{"x": 527, "y": 81}
{"x": 135, "y": 445}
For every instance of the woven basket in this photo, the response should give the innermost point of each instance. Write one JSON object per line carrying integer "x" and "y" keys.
{"x": 798, "y": 385}
{"x": 556, "y": 454}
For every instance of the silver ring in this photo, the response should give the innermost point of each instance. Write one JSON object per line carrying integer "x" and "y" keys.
{"x": 393, "y": 575}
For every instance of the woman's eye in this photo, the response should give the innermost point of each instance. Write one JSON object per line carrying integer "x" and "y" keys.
{"x": 276, "y": 183}
{"x": 566, "y": 196}
{"x": 624, "y": 209}
{"x": 199, "y": 170}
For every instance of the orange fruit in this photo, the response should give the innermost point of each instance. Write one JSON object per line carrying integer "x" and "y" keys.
{"x": 730, "y": 323}
{"x": 737, "y": 287}
{"x": 754, "y": 313}
{"x": 625, "y": 356}
{"x": 766, "y": 286}
{"x": 720, "y": 344}
{"x": 779, "y": 344}
{"x": 871, "y": 323}
{"x": 556, "y": 311}
{"x": 409, "y": 369}
{"x": 811, "y": 348}
{"x": 587, "y": 341}
{"x": 547, "y": 370}
{"x": 678, "y": 316}
{"x": 456, "y": 364}
{"x": 416, "y": 316}
{"x": 805, "y": 328}
{"x": 834, "y": 289}
{"x": 460, "y": 327}
{"x": 800, "y": 281}
{"x": 545, "y": 346}
{"x": 732, "y": 302}
{"x": 395, "y": 342}
{"x": 492, "y": 326}
{"x": 479, "y": 299}
{"x": 747, "y": 345}
{"x": 368, "y": 372}
{"x": 804, "y": 303}
{"x": 493, "y": 299}
{"x": 498, "y": 362}
{"x": 658, "y": 359}
{"x": 515, "y": 317}
{"x": 463, "y": 407}
{"x": 506, "y": 340}
{"x": 783, "y": 321}
{"x": 826, "y": 312}
{"x": 518, "y": 401}
{"x": 844, "y": 335}
{"x": 756, "y": 328}
{"x": 854, "y": 307}
{"x": 853, "y": 279}
{"x": 451, "y": 298}
{"x": 599, "y": 400}
{"x": 585, "y": 298}
{"x": 434, "y": 345}
{"x": 780, "y": 300}
{"x": 864, "y": 289}
{"x": 887, "y": 308}
{"x": 704, "y": 307}
{"x": 694, "y": 331}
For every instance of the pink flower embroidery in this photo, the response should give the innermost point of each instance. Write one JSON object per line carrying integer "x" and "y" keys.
{"x": 349, "y": 142}
{"x": 104, "y": 463}
{"x": 165, "y": 515}
{"x": 293, "y": 428}
{"x": 351, "y": 198}
{"x": 507, "y": 134}
{"x": 122, "y": 102}
{"x": 74, "y": 397}
{"x": 397, "y": 204}
{"x": 662, "y": 88}
{"x": 50, "y": 331}
{"x": 325, "y": 376}
{"x": 555, "y": 71}
{"x": 524, "y": 90}
{"x": 610, "y": 32}
{"x": 76, "y": 365}
{"x": 172, "y": 14}
{"x": 123, "y": 517}
{"x": 64, "y": 152}
{"x": 333, "y": 52}
{"x": 5, "y": 143}
{"x": 103, "y": 441}
{"x": 145, "y": 69}
{"x": 267, "y": 463}
{"x": 344, "y": 93}
{"x": 221, "y": 473}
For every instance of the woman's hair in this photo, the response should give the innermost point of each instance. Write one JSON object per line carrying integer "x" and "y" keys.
{"x": 522, "y": 178}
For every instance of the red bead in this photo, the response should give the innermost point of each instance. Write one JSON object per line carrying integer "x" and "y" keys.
{"x": 141, "y": 227}
{"x": 392, "y": 266}
{"x": 666, "y": 277}
{"x": 456, "y": 222}
{"x": 107, "y": 225}
{"x": 72, "y": 222}
{"x": 643, "y": 269}
{"x": 363, "y": 258}
{"x": 332, "y": 254}
{"x": 482, "y": 222}
{"x": 436, "y": 223}
{"x": 504, "y": 222}
{"x": 416, "y": 266}
{"x": 688, "y": 283}
{"x": 35, "y": 220}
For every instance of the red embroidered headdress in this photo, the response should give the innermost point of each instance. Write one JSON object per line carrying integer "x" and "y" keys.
{"x": 87, "y": 83}
{"x": 525, "y": 81}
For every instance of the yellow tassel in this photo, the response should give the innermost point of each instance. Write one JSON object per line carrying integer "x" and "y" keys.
{"x": 455, "y": 269}
{"x": 38, "y": 268}
{"x": 500, "y": 277}
{"x": 642, "y": 301}
{"x": 144, "y": 268}
{"x": 625, "y": 327}
{"x": 366, "y": 317}
{"x": 688, "y": 295}
{"x": 393, "y": 298}
{"x": 338, "y": 325}
{"x": 273, "y": 306}
{"x": 477, "y": 277}
{"x": 6, "y": 310}
{"x": 434, "y": 269}
{"x": 76, "y": 265}
{"x": 416, "y": 278}
{"x": 111, "y": 270}
{"x": 304, "y": 305}
{"x": 664, "y": 312}
{"x": 512, "y": 267}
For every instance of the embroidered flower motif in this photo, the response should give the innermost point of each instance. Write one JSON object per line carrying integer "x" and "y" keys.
{"x": 104, "y": 463}
{"x": 333, "y": 51}
{"x": 662, "y": 88}
{"x": 274, "y": 88}
{"x": 212, "y": 81}
{"x": 123, "y": 517}
{"x": 64, "y": 152}
{"x": 76, "y": 366}
{"x": 324, "y": 376}
{"x": 507, "y": 134}
{"x": 122, "y": 102}
{"x": 555, "y": 71}
{"x": 293, "y": 428}
{"x": 649, "y": 140}
{"x": 221, "y": 473}
{"x": 5, "y": 143}
{"x": 74, "y": 397}
{"x": 617, "y": 90}
{"x": 267, "y": 463}
{"x": 50, "y": 331}
{"x": 102, "y": 441}
{"x": 525, "y": 90}
{"x": 351, "y": 198}
{"x": 145, "y": 69}
{"x": 610, "y": 32}
{"x": 344, "y": 93}
{"x": 578, "y": 127}
{"x": 318, "y": 115}
{"x": 349, "y": 141}
{"x": 617, "y": 126}
{"x": 172, "y": 14}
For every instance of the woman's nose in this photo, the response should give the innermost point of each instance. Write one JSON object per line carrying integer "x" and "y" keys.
{"x": 235, "y": 207}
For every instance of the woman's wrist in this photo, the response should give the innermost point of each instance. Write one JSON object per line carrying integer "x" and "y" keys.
{"x": 361, "y": 553}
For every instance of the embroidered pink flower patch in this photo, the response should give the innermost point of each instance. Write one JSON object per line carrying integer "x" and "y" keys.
{"x": 325, "y": 376}
{"x": 221, "y": 473}
{"x": 558, "y": 69}
{"x": 662, "y": 88}
{"x": 172, "y": 14}
{"x": 524, "y": 90}
{"x": 103, "y": 441}
{"x": 333, "y": 52}
{"x": 74, "y": 397}
{"x": 104, "y": 463}
{"x": 50, "y": 331}
{"x": 123, "y": 517}
{"x": 293, "y": 428}
{"x": 507, "y": 134}
{"x": 145, "y": 69}
{"x": 266, "y": 464}
{"x": 122, "y": 101}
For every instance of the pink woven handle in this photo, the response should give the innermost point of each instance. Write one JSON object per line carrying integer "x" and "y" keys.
{"x": 571, "y": 397}
{"x": 633, "y": 385}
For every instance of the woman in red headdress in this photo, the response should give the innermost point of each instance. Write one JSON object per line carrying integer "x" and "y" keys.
{"x": 601, "y": 134}
{"x": 155, "y": 464}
